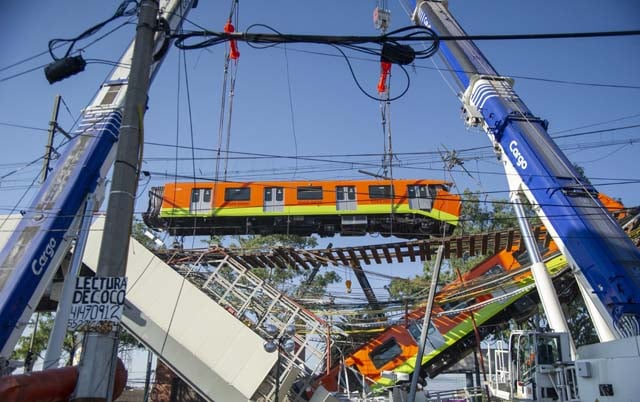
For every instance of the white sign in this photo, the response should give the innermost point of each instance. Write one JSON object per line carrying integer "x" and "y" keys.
{"x": 97, "y": 303}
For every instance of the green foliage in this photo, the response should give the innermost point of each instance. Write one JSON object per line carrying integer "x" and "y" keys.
{"x": 287, "y": 280}
{"x": 41, "y": 338}
{"x": 579, "y": 321}
{"x": 465, "y": 263}
{"x": 400, "y": 288}
{"x": 138, "y": 230}
{"x": 581, "y": 174}
{"x": 319, "y": 284}
{"x": 70, "y": 345}
{"x": 478, "y": 215}
{"x": 474, "y": 217}
{"x": 266, "y": 243}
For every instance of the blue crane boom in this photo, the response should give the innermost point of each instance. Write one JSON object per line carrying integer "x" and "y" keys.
{"x": 44, "y": 235}
{"x": 605, "y": 261}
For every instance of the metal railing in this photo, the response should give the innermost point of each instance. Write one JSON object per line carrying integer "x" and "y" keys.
{"x": 257, "y": 304}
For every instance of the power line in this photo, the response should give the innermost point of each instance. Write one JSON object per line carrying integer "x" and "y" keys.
{"x": 451, "y": 70}
{"x": 258, "y": 154}
{"x": 23, "y": 126}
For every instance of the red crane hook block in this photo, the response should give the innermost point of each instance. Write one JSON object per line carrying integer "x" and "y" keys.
{"x": 234, "y": 53}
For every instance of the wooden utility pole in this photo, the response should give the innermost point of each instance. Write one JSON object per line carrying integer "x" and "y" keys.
{"x": 97, "y": 365}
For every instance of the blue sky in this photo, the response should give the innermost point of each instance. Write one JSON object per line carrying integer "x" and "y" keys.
{"x": 331, "y": 117}
{"x": 295, "y": 103}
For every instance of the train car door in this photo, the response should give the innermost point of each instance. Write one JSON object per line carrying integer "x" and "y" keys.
{"x": 419, "y": 197}
{"x": 200, "y": 200}
{"x": 346, "y": 198}
{"x": 273, "y": 199}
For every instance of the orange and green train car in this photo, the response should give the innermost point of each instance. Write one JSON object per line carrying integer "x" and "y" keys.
{"x": 403, "y": 208}
{"x": 450, "y": 336}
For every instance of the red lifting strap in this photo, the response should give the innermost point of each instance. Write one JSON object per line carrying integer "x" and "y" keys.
{"x": 234, "y": 53}
{"x": 385, "y": 69}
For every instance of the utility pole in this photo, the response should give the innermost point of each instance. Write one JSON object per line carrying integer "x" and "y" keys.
{"x": 425, "y": 325}
{"x": 53, "y": 124}
{"x": 97, "y": 365}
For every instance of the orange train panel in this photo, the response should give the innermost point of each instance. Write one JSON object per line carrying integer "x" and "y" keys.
{"x": 178, "y": 195}
{"x": 361, "y": 359}
{"x": 613, "y": 206}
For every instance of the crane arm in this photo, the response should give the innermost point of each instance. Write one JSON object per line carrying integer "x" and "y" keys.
{"x": 44, "y": 235}
{"x": 605, "y": 261}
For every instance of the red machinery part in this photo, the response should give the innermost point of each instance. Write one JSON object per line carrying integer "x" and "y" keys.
{"x": 234, "y": 53}
{"x": 54, "y": 385}
{"x": 385, "y": 69}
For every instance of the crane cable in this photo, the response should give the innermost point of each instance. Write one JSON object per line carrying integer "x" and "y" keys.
{"x": 381, "y": 20}
{"x": 229, "y": 81}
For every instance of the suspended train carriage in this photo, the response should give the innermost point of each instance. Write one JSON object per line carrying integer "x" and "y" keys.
{"x": 498, "y": 289}
{"x": 451, "y": 331}
{"x": 403, "y": 208}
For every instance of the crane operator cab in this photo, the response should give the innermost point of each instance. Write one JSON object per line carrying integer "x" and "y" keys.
{"x": 536, "y": 367}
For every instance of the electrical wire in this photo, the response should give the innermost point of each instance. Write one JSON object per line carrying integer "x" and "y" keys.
{"x": 292, "y": 114}
{"x": 446, "y": 69}
{"x": 354, "y": 43}
{"x": 123, "y": 10}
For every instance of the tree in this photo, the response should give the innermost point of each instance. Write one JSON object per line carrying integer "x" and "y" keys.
{"x": 71, "y": 341}
{"x": 45, "y": 322}
{"x": 477, "y": 216}
{"x": 139, "y": 232}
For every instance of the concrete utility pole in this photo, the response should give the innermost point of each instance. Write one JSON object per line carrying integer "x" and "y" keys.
{"x": 97, "y": 365}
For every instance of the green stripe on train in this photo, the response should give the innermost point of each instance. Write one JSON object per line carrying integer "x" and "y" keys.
{"x": 555, "y": 265}
{"x": 308, "y": 210}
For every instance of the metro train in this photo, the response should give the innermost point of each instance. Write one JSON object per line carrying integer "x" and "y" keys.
{"x": 403, "y": 208}
{"x": 451, "y": 332}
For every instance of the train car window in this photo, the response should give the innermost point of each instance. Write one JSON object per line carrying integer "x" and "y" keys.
{"x": 384, "y": 353}
{"x": 420, "y": 197}
{"x": 353, "y": 380}
{"x": 415, "y": 329}
{"x": 195, "y": 195}
{"x": 496, "y": 269}
{"x": 237, "y": 194}
{"x": 455, "y": 305}
{"x": 417, "y": 191}
{"x": 380, "y": 192}
{"x": 206, "y": 197}
{"x": 310, "y": 193}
